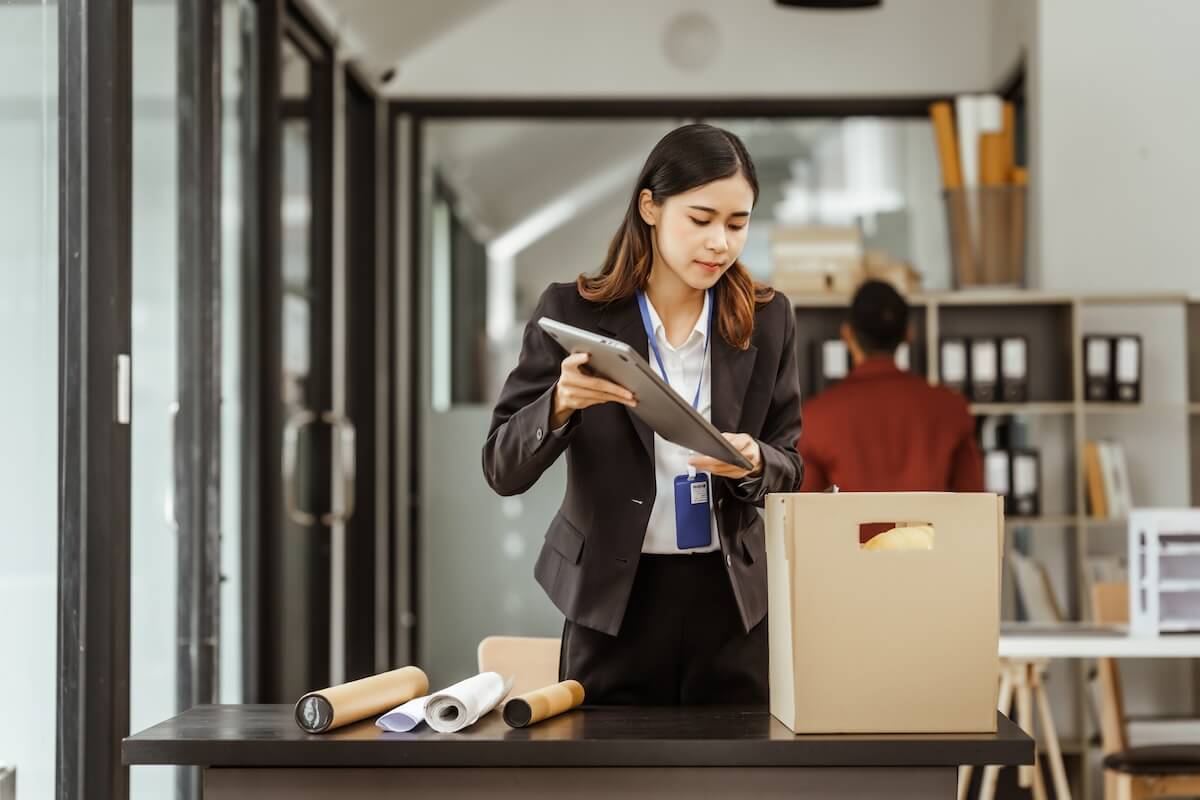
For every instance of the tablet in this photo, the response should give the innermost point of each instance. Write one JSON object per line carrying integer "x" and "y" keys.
{"x": 659, "y": 406}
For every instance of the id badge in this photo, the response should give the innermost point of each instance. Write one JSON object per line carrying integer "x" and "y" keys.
{"x": 692, "y": 520}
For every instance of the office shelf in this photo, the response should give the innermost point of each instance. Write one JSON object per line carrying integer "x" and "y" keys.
{"x": 1134, "y": 408}
{"x": 1105, "y": 522}
{"x": 992, "y": 409}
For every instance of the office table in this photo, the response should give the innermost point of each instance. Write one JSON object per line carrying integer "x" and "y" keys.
{"x": 257, "y": 752}
{"x": 1042, "y": 641}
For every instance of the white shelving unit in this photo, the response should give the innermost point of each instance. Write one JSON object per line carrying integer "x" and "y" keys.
{"x": 1164, "y": 566}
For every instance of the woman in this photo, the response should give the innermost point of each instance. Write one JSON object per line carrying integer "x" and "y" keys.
{"x": 662, "y": 607}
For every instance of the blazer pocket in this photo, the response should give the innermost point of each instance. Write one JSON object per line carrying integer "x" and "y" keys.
{"x": 565, "y": 539}
{"x": 754, "y": 540}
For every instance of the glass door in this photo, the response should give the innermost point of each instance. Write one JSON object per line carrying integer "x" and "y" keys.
{"x": 296, "y": 643}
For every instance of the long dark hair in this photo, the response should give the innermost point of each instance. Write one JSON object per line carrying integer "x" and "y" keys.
{"x": 687, "y": 157}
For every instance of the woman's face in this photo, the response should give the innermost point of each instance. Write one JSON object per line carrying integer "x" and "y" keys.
{"x": 700, "y": 233}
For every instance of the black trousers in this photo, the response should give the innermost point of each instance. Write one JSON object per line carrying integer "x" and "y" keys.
{"x": 681, "y": 641}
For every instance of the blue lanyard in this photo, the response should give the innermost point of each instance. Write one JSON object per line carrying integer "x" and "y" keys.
{"x": 641, "y": 298}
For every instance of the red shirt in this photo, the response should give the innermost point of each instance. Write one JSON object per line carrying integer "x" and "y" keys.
{"x": 883, "y": 430}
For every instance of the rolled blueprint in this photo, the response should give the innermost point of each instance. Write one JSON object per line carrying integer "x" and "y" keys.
{"x": 543, "y": 703}
{"x": 327, "y": 709}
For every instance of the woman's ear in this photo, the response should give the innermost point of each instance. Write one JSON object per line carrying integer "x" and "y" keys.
{"x": 648, "y": 208}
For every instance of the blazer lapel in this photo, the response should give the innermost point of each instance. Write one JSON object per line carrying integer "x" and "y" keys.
{"x": 731, "y": 369}
{"x": 623, "y": 320}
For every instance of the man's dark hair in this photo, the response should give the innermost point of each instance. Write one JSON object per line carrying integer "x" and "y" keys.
{"x": 879, "y": 318}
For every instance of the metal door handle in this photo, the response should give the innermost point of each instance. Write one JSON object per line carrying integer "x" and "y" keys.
{"x": 291, "y": 439}
{"x": 169, "y": 497}
{"x": 345, "y": 439}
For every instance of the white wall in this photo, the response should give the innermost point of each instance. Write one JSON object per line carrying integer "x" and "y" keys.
{"x": 1118, "y": 162}
{"x": 573, "y": 48}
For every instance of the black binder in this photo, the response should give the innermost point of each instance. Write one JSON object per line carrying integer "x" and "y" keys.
{"x": 830, "y": 363}
{"x": 1097, "y": 368}
{"x": 1127, "y": 368}
{"x": 985, "y": 370}
{"x": 1026, "y": 484}
{"x": 997, "y": 475}
{"x": 1014, "y": 369}
{"x": 953, "y": 364}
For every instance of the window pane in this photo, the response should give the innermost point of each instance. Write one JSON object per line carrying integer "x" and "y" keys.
{"x": 29, "y": 353}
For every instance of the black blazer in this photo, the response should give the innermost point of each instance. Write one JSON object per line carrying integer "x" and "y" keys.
{"x": 592, "y": 547}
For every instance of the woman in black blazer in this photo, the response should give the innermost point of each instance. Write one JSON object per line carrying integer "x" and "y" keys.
{"x": 656, "y": 556}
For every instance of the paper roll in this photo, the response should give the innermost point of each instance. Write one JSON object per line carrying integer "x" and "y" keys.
{"x": 327, "y": 709}
{"x": 544, "y": 703}
{"x": 464, "y": 703}
{"x": 947, "y": 145}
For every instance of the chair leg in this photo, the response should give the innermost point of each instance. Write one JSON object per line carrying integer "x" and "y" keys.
{"x": 1126, "y": 787}
{"x": 1111, "y": 788}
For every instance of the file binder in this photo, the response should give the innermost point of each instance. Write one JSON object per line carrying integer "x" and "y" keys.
{"x": 1026, "y": 483}
{"x": 1097, "y": 368}
{"x": 1014, "y": 369}
{"x": 1127, "y": 369}
{"x": 830, "y": 363}
{"x": 996, "y": 475}
{"x": 953, "y": 364}
{"x": 984, "y": 370}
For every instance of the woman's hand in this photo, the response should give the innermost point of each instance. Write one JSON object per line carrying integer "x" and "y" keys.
{"x": 746, "y": 444}
{"x": 576, "y": 390}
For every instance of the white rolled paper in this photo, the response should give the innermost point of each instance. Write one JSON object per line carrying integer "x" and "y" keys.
{"x": 465, "y": 702}
{"x": 404, "y": 718}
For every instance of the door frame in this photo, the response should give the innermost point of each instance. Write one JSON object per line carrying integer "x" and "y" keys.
{"x": 95, "y": 395}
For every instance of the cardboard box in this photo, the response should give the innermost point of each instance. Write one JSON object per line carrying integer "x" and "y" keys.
{"x": 884, "y": 641}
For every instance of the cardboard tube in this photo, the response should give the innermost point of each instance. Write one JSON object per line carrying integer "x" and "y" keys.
{"x": 992, "y": 171}
{"x": 541, "y": 704}
{"x": 318, "y": 712}
{"x": 947, "y": 144}
{"x": 962, "y": 251}
{"x": 1016, "y": 227}
{"x": 1008, "y": 131}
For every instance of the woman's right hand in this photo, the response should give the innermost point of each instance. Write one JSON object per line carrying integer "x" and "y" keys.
{"x": 576, "y": 390}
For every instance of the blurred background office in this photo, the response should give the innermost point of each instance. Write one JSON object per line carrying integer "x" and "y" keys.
{"x": 340, "y": 214}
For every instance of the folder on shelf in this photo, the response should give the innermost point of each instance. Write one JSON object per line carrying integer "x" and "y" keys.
{"x": 1127, "y": 369}
{"x": 830, "y": 363}
{"x": 996, "y": 477}
{"x": 1097, "y": 368}
{"x": 984, "y": 370}
{"x": 1014, "y": 369}
{"x": 1026, "y": 483}
{"x": 1115, "y": 472}
{"x": 952, "y": 371}
{"x": 1094, "y": 475}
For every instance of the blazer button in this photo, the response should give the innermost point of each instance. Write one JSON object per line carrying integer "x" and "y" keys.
{"x": 539, "y": 434}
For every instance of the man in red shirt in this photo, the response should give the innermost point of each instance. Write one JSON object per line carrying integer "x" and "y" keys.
{"x": 881, "y": 429}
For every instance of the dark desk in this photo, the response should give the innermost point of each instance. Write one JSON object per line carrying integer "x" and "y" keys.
{"x": 258, "y": 752}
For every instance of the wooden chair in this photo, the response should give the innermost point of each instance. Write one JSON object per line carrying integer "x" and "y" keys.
{"x": 1132, "y": 773}
{"x": 531, "y": 661}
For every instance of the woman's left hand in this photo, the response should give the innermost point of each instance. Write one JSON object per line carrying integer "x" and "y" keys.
{"x": 746, "y": 445}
